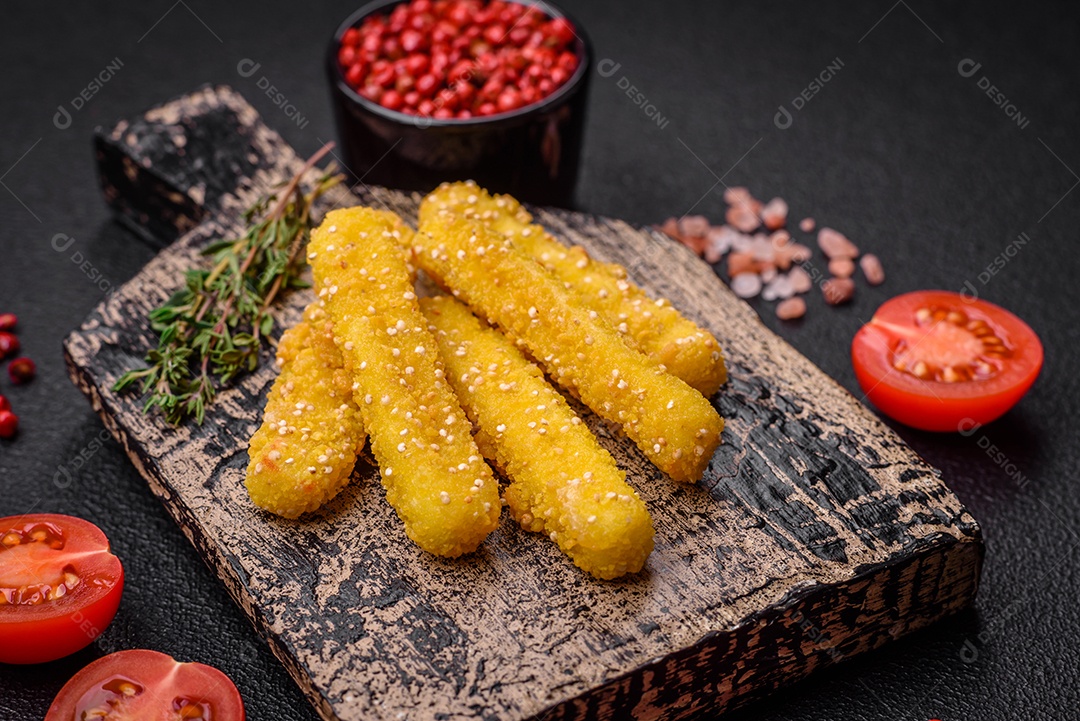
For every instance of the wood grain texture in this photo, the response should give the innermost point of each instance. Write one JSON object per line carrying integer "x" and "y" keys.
{"x": 815, "y": 535}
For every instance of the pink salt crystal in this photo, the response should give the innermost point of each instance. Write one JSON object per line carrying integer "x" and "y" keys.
{"x": 743, "y": 217}
{"x": 746, "y": 285}
{"x": 742, "y": 242}
{"x": 694, "y": 225}
{"x": 838, "y": 290}
{"x": 720, "y": 240}
{"x": 871, "y": 268}
{"x": 736, "y": 194}
{"x": 807, "y": 225}
{"x": 835, "y": 244}
{"x": 774, "y": 214}
{"x": 800, "y": 280}
{"x": 779, "y": 288}
{"x": 762, "y": 248}
{"x": 779, "y": 238}
{"x": 791, "y": 309}
{"x": 842, "y": 267}
{"x": 670, "y": 228}
{"x": 800, "y": 253}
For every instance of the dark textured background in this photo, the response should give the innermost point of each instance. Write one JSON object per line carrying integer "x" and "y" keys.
{"x": 898, "y": 150}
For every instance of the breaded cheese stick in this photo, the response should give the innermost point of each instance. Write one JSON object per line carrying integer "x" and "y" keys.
{"x": 653, "y": 327}
{"x": 433, "y": 473}
{"x": 673, "y": 424}
{"x": 304, "y": 452}
{"x": 562, "y": 482}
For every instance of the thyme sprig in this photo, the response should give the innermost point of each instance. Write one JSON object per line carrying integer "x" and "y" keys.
{"x": 212, "y": 329}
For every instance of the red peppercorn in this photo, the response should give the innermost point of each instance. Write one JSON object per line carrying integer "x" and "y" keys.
{"x": 416, "y": 64}
{"x": 22, "y": 370}
{"x": 5, "y": 404}
{"x": 8, "y": 321}
{"x": 519, "y": 35}
{"x": 412, "y": 40}
{"x": 9, "y": 424}
{"x": 347, "y": 55}
{"x": 561, "y": 30}
{"x": 354, "y": 76}
{"x": 9, "y": 345}
{"x": 351, "y": 37}
{"x": 392, "y": 99}
{"x": 509, "y": 99}
{"x": 427, "y": 84}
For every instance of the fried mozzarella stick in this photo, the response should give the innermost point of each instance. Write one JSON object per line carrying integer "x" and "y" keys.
{"x": 304, "y": 452}
{"x": 655, "y": 328}
{"x": 673, "y": 424}
{"x": 434, "y": 476}
{"x": 562, "y": 482}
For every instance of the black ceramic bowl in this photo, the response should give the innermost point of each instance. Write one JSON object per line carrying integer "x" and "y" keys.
{"x": 531, "y": 153}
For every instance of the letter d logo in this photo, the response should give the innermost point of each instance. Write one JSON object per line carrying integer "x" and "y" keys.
{"x": 607, "y": 67}
{"x": 62, "y": 119}
{"x": 783, "y": 118}
{"x": 247, "y": 67}
{"x": 968, "y": 67}
{"x": 61, "y": 242}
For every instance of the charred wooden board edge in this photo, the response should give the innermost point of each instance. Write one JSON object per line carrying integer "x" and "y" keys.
{"x": 684, "y": 683}
{"x": 162, "y": 191}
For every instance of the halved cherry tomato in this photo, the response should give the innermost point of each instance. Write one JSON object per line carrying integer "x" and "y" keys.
{"x": 145, "y": 685}
{"x": 937, "y": 360}
{"x": 59, "y": 586}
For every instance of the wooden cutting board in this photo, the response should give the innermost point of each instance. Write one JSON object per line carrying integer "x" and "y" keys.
{"x": 816, "y": 534}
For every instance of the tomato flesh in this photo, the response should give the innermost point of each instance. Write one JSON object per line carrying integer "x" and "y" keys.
{"x": 59, "y": 586}
{"x": 940, "y": 361}
{"x": 147, "y": 686}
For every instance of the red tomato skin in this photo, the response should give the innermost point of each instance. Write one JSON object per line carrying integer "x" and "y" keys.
{"x": 951, "y": 407}
{"x": 21, "y": 643}
{"x": 54, "y": 631}
{"x": 947, "y": 415}
{"x": 158, "y": 672}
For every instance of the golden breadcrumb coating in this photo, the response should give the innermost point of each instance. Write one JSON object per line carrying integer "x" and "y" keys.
{"x": 304, "y": 452}
{"x": 673, "y": 424}
{"x": 433, "y": 473}
{"x": 653, "y": 327}
{"x": 562, "y": 482}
